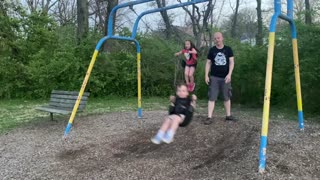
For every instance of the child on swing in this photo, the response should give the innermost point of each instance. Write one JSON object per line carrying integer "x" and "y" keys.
{"x": 190, "y": 53}
{"x": 180, "y": 114}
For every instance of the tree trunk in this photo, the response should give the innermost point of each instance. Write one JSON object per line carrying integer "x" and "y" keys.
{"x": 308, "y": 18}
{"x": 110, "y": 6}
{"x": 259, "y": 36}
{"x": 82, "y": 19}
{"x": 205, "y": 22}
{"x": 234, "y": 22}
{"x": 165, "y": 17}
{"x": 211, "y": 32}
{"x": 100, "y": 23}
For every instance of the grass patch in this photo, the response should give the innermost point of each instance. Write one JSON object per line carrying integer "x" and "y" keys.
{"x": 15, "y": 113}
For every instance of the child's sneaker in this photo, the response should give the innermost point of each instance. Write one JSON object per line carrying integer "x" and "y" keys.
{"x": 156, "y": 139}
{"x": 167, "y": 138}
{"x": 189, "y": 86}
{"x": 193, "y": 85}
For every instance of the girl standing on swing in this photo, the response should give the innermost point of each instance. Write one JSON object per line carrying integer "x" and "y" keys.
{"x": 190, "y": 53}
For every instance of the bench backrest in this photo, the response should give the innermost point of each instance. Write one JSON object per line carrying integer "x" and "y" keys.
{"x": 67, "y": 99}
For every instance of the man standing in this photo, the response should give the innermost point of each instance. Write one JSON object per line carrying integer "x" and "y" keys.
{"x": 220, "y": 64}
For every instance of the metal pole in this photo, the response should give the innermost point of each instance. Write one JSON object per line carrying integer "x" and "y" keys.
{"x": 84, "y": 84}
{"x": 296, "y": 63}
{"x": 139, "y": 78}
{"x": 267, "y": 93}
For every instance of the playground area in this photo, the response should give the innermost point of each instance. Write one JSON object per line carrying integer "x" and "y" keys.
{"x": 111, "y": 139}
{"x": 116, "y": 146}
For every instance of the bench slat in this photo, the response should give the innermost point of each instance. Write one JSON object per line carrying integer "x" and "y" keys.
{"x": 67, "y": 101}
{"x": 58, "y": 96}
{"x": 55, "y": 110}
{"x": 75, "y": 93}
{"x": 65, "y": 105}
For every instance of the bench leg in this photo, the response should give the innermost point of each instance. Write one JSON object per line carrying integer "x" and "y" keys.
{"x": 51, "y": 115}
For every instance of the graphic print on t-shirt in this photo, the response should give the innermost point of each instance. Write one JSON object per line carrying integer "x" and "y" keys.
{"x": 187, "y": 55}
{"x": 220, "y": 59}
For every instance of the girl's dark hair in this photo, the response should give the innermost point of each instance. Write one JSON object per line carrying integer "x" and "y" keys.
{"x": 192, "y": 46}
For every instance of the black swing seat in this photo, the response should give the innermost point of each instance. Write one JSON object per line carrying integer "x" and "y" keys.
{"x": 188, "y": 113}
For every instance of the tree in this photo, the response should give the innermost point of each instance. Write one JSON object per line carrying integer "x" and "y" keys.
{"x": 10, "y": 27}
{"x": 234, "y": 22}
{"x": 259, "y": 36}
{"x": 246, "y": 25}
{"x": 308, "y": 18}
{"x": 82, "y": 19}
{"x": 110, "y": 5}
{"x": 44, "y": 5}
{"x": 220, "y": 13}
{"x": 166, "y": 19}
{"x": 196, "y": 16}
{"x": 65, "y": 12}
{"x": 98, "y": 8}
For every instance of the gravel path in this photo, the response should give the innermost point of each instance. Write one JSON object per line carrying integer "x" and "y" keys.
{"x": 117, "y": 146}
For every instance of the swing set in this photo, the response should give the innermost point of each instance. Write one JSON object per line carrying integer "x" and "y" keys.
{"x": 266, "y": 108}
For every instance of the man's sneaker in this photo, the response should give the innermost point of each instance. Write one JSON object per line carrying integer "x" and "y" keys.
{"x": 208, "y": 121}
{"x": 167, "y": 138}
{"x": 156, "y": 139}
{"x": 230, "y": 118}
{"x": 192, "y": 86}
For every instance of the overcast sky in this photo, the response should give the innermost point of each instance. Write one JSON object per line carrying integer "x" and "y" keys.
{"x": 180, "y": 15}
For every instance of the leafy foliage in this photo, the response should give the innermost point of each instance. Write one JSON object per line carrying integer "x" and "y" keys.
{"x": 37, "y": 55}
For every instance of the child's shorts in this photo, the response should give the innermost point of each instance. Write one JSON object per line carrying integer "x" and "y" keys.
{"x": 185, "y": 119}
{"x": 180, "y": 115}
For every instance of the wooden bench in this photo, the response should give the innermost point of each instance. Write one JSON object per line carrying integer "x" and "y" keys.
{"x": 62, "y": 102}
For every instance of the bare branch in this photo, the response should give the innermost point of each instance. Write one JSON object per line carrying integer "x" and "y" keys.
{"x": 49, "y": 7}
{"x": 220, "y": 12}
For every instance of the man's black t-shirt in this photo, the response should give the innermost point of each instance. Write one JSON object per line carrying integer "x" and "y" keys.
{"x": 220, "y": 61}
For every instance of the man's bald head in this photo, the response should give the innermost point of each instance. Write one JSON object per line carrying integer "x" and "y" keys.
{"x": 217, "y": 34}
{"x": 218, "y": 39}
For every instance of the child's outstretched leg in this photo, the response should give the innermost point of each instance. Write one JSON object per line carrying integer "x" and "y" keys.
{"x": 163, "y": 129}
{"x": 169, "y": 135}
{"x": 191, "y": 78}
{"x": 186, "y": 76}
